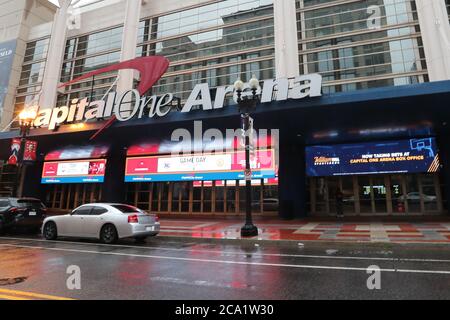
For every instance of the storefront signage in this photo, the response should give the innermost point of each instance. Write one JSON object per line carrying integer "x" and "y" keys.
{"x": 29, "y": 154}
{"x": 15, "y": 149}
{"x": 201, "y": 167}
{"x": 83, "y": 171}
{"x": 133, "y": 104}
{"x": 404, "y": 156}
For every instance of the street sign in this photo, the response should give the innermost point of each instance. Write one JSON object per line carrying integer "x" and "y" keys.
{"x": 251, "y": 134}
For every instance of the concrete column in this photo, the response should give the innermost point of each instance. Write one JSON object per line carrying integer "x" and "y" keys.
{"x": 114, "y": 188}
{"x": 286, "y": 47}
{"x": 129, "y": 42}
{"x": 435, "y": 31}
{"x": 55, "y": 56}
{"x": 444, "y": 155}
{"x": 292, "y": 178}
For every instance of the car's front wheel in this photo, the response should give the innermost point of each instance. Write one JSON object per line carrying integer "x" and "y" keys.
{"x": 50, "y": 231}
{"x": 108, "y": 234}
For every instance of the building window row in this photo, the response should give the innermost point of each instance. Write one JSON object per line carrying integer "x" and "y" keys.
{"x": 354, "y": 16}
{"x": 31, "y": 76}
{"x": 198, "y": 20}
{"x": 215, "y": 43}
{"x": 369, "y": 41}
{"x": 87, "y": 53}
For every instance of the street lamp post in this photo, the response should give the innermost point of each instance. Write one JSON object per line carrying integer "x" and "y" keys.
{"x": 246, "y": 104}
{"x": 26, "y": 120}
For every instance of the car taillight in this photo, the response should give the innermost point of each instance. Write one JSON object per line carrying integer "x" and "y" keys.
{"x": 133, "y": 219}
{"x": 13, "y": 210}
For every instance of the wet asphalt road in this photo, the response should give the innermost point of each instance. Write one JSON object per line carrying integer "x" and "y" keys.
{"x": 167, "y": 269}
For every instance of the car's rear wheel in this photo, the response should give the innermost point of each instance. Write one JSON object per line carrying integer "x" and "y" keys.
{"x": 108, "y": 234}
{"x": 50, "y": 231}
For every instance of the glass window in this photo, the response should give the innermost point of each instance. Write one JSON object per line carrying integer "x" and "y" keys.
{"x": 28, "y": 203}
{"x": 429, "y": 192}
{"x": 4, "y": 203}
{"x": 83, "y": 211}
{"x": 126, "y": 208}
{"x": 206, "y": 44}
{"x": 413, "y": 193}
{"x": 365, "y": 194}
{"x": 344, "y": 43}
{"x": 96, "y": 211}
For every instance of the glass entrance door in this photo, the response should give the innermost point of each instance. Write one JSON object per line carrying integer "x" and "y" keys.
{"x": 398, "y": 194}
{"x": 379, "y": 191}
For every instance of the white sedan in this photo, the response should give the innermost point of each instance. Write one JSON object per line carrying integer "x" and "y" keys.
{"x": 105, "y": 221}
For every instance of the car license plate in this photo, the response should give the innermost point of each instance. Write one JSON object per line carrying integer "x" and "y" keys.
{"x": 32, "y": 213}
{"x": 150, "y": 228}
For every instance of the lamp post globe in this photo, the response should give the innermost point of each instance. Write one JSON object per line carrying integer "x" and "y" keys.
{"x": 239, "y": 85}
{"x": 254, "y": 83}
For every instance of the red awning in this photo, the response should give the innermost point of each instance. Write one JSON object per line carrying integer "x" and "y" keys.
{"x": 79, "y": 152}
{"x": 168, "y": 147}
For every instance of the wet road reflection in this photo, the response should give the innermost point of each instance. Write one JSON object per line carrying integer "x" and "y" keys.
{"x": 162, "y": 269}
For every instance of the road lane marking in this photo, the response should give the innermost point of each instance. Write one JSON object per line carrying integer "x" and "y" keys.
{"x": 21, "y": 294}
{"x": 228, "y": 261}
{"x": 5, "y": 297}
{"x": 393, "y": 259}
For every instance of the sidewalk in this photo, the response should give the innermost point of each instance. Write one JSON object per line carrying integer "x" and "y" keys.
{"x": 298, "y": 230}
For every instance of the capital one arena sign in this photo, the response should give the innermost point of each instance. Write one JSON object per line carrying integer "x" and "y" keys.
{"x": 134, "y": 104}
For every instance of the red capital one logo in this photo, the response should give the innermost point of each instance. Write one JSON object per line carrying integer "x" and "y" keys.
{"x": 151, "y": 69}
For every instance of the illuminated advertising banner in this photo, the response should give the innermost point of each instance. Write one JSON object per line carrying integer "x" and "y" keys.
{"x": 221, "y": 183}
{"x": 83, "y": 171}
{"x": 7, "y": 51}
{"x": 200, "y": 167}
{"x": 404, "y": 156}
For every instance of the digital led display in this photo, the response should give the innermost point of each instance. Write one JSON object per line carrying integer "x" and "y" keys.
{"x": 200, "y": 167}
{"x": 401, "y": 156}
{"x": 82, "y": 171}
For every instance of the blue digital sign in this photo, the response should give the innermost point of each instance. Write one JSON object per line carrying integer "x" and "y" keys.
{"x": 401, "y": 156}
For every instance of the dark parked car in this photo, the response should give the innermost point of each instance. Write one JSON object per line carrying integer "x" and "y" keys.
{"x": 23, "y": 213}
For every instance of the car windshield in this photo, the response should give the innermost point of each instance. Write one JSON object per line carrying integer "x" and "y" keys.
{"x": 28, "y": 203}
{"x": 127, "y": 209}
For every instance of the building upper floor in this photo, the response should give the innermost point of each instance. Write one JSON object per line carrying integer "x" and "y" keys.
{"x": 353, "y": 44}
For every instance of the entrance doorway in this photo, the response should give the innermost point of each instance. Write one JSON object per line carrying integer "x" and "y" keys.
{"x": 377, "y": 194}
{"x": 69, "y": 196}
{"x": 204, "y": 197}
